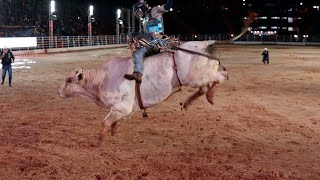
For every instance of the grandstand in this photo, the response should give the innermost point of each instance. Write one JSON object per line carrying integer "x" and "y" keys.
{"x": 19, "y": 15}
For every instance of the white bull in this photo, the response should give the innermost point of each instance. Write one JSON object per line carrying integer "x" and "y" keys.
{"x": 164, "y": 75}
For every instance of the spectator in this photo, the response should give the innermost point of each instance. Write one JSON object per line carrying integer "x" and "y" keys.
{"x": 265, "y": 56}
{"x": 7, "y": 58}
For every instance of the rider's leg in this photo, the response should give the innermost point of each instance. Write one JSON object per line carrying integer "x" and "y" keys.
{"x": 10, "y": 74}
{"x": 4, "y": 72}
{"x": 138, "y": 63}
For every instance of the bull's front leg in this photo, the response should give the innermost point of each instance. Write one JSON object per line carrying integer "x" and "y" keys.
{"x": 110, "y": 121}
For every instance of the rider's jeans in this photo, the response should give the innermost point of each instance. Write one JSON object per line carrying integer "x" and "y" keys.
{"x": 138, "y": 58}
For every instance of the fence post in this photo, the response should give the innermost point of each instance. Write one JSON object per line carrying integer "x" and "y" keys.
{"x": 56, "y": 42}
{"x": 42, "y": 42}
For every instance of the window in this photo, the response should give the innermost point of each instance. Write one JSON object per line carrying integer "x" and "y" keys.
{"x": 262, "y": 27}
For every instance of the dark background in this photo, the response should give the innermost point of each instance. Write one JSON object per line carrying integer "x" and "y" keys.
{"x": 187, "y": 17}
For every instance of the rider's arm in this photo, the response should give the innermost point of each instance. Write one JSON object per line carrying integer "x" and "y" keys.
{"x": 157, "y": 11}
{"x": 168, "y": 5}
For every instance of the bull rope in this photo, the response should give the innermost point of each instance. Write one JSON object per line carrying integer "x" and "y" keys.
{"x": 141, "y": 106}
{"x": 175, "y": 66}
{"x": 196, "y": 53}
{"x": 175, "y": 48}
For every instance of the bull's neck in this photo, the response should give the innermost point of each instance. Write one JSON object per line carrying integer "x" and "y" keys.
{"x": 92, "y": 78}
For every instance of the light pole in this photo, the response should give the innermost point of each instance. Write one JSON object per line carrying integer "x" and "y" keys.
{"x": 117, "y": 25}
{"x": 133, "y": 20}
{"x": 129, "y": 20}
{"x": 90, "y": 14}
{"x": 52, "y": 8}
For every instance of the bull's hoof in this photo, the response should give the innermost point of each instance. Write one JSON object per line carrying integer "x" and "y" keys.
{"x": 144, "y": 114}
{"x": 185, "y": 107}
{"x": 209, "y": 97}
{"x": 210, "y": 101}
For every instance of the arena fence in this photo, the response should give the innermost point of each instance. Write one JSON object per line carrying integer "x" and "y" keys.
{"x": 74, "y": 41}
{"x": 81, "y": 41}
{"x": 258, "y": 39}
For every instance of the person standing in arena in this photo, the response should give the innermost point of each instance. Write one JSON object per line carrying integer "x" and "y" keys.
{"x": 265, "y": 56}
{"x": 7, "y": 58}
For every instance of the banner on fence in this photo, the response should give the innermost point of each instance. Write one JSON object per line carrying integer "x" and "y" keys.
{"x": 18, "y": 42}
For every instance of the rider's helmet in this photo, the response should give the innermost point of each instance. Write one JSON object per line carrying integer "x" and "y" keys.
{"x": 141, "y": 9}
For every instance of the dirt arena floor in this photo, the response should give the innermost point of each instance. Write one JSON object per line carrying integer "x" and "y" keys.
{"x": 265, "y": 123}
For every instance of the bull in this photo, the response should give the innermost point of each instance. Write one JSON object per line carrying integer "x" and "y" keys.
{"x": 164, "y": 75}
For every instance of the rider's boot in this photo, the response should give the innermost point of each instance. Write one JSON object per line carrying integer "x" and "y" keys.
{"x": 134, "y": 76}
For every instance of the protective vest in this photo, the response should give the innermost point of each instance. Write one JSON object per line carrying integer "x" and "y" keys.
{"x": 153, "y": 22}
{"x": 152, "y": 25}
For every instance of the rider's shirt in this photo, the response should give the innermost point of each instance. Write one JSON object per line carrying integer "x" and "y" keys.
{"x": 153, "y": 23}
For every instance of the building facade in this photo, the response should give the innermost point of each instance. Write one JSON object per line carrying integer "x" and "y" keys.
{"x": 284, "y": 17}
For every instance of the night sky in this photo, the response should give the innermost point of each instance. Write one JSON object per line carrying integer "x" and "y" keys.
{"x": 188, "y": 16}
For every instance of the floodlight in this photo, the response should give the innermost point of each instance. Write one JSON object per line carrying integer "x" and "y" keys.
{"x": 90, "y": 10}
{"x": 118, "y": 13}
{"x": 52, "y": 6}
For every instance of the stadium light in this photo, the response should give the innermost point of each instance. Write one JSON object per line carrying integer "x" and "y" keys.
{"x": 52, "y": 6}
{"x": 118, "y": 13}
{"x": 90, "y": 10}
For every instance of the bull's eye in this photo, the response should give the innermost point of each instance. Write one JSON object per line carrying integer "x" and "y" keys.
{"x": 69, "y": 80}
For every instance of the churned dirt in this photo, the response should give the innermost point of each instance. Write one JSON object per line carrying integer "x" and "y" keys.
{"x": 265, "y": 123}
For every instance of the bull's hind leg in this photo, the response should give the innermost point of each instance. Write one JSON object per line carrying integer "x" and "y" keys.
{"x": 200, "y": 92}
{"x": 220, "y": 76}
{"x": 210, "y": 92}
{"x": 110, "y": 121}
{"x": 208, "y": 89}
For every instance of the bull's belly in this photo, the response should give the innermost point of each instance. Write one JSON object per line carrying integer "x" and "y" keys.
{"x": 159, "y": 81}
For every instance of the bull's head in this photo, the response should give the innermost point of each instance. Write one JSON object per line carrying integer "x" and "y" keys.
{"x": 76, "y": 76}
{"x": 73, "y": 85}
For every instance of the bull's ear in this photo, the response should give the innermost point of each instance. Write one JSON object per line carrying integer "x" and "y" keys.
{"x": 79, "y": 70}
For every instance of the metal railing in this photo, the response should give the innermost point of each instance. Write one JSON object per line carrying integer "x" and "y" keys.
{"x": 249, "y": 38}
{"x": 80, "y": 41}
{"x": 75, "y": 41}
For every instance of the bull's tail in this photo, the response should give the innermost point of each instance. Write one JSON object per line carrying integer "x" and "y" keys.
{"x": 247, "y": 23}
